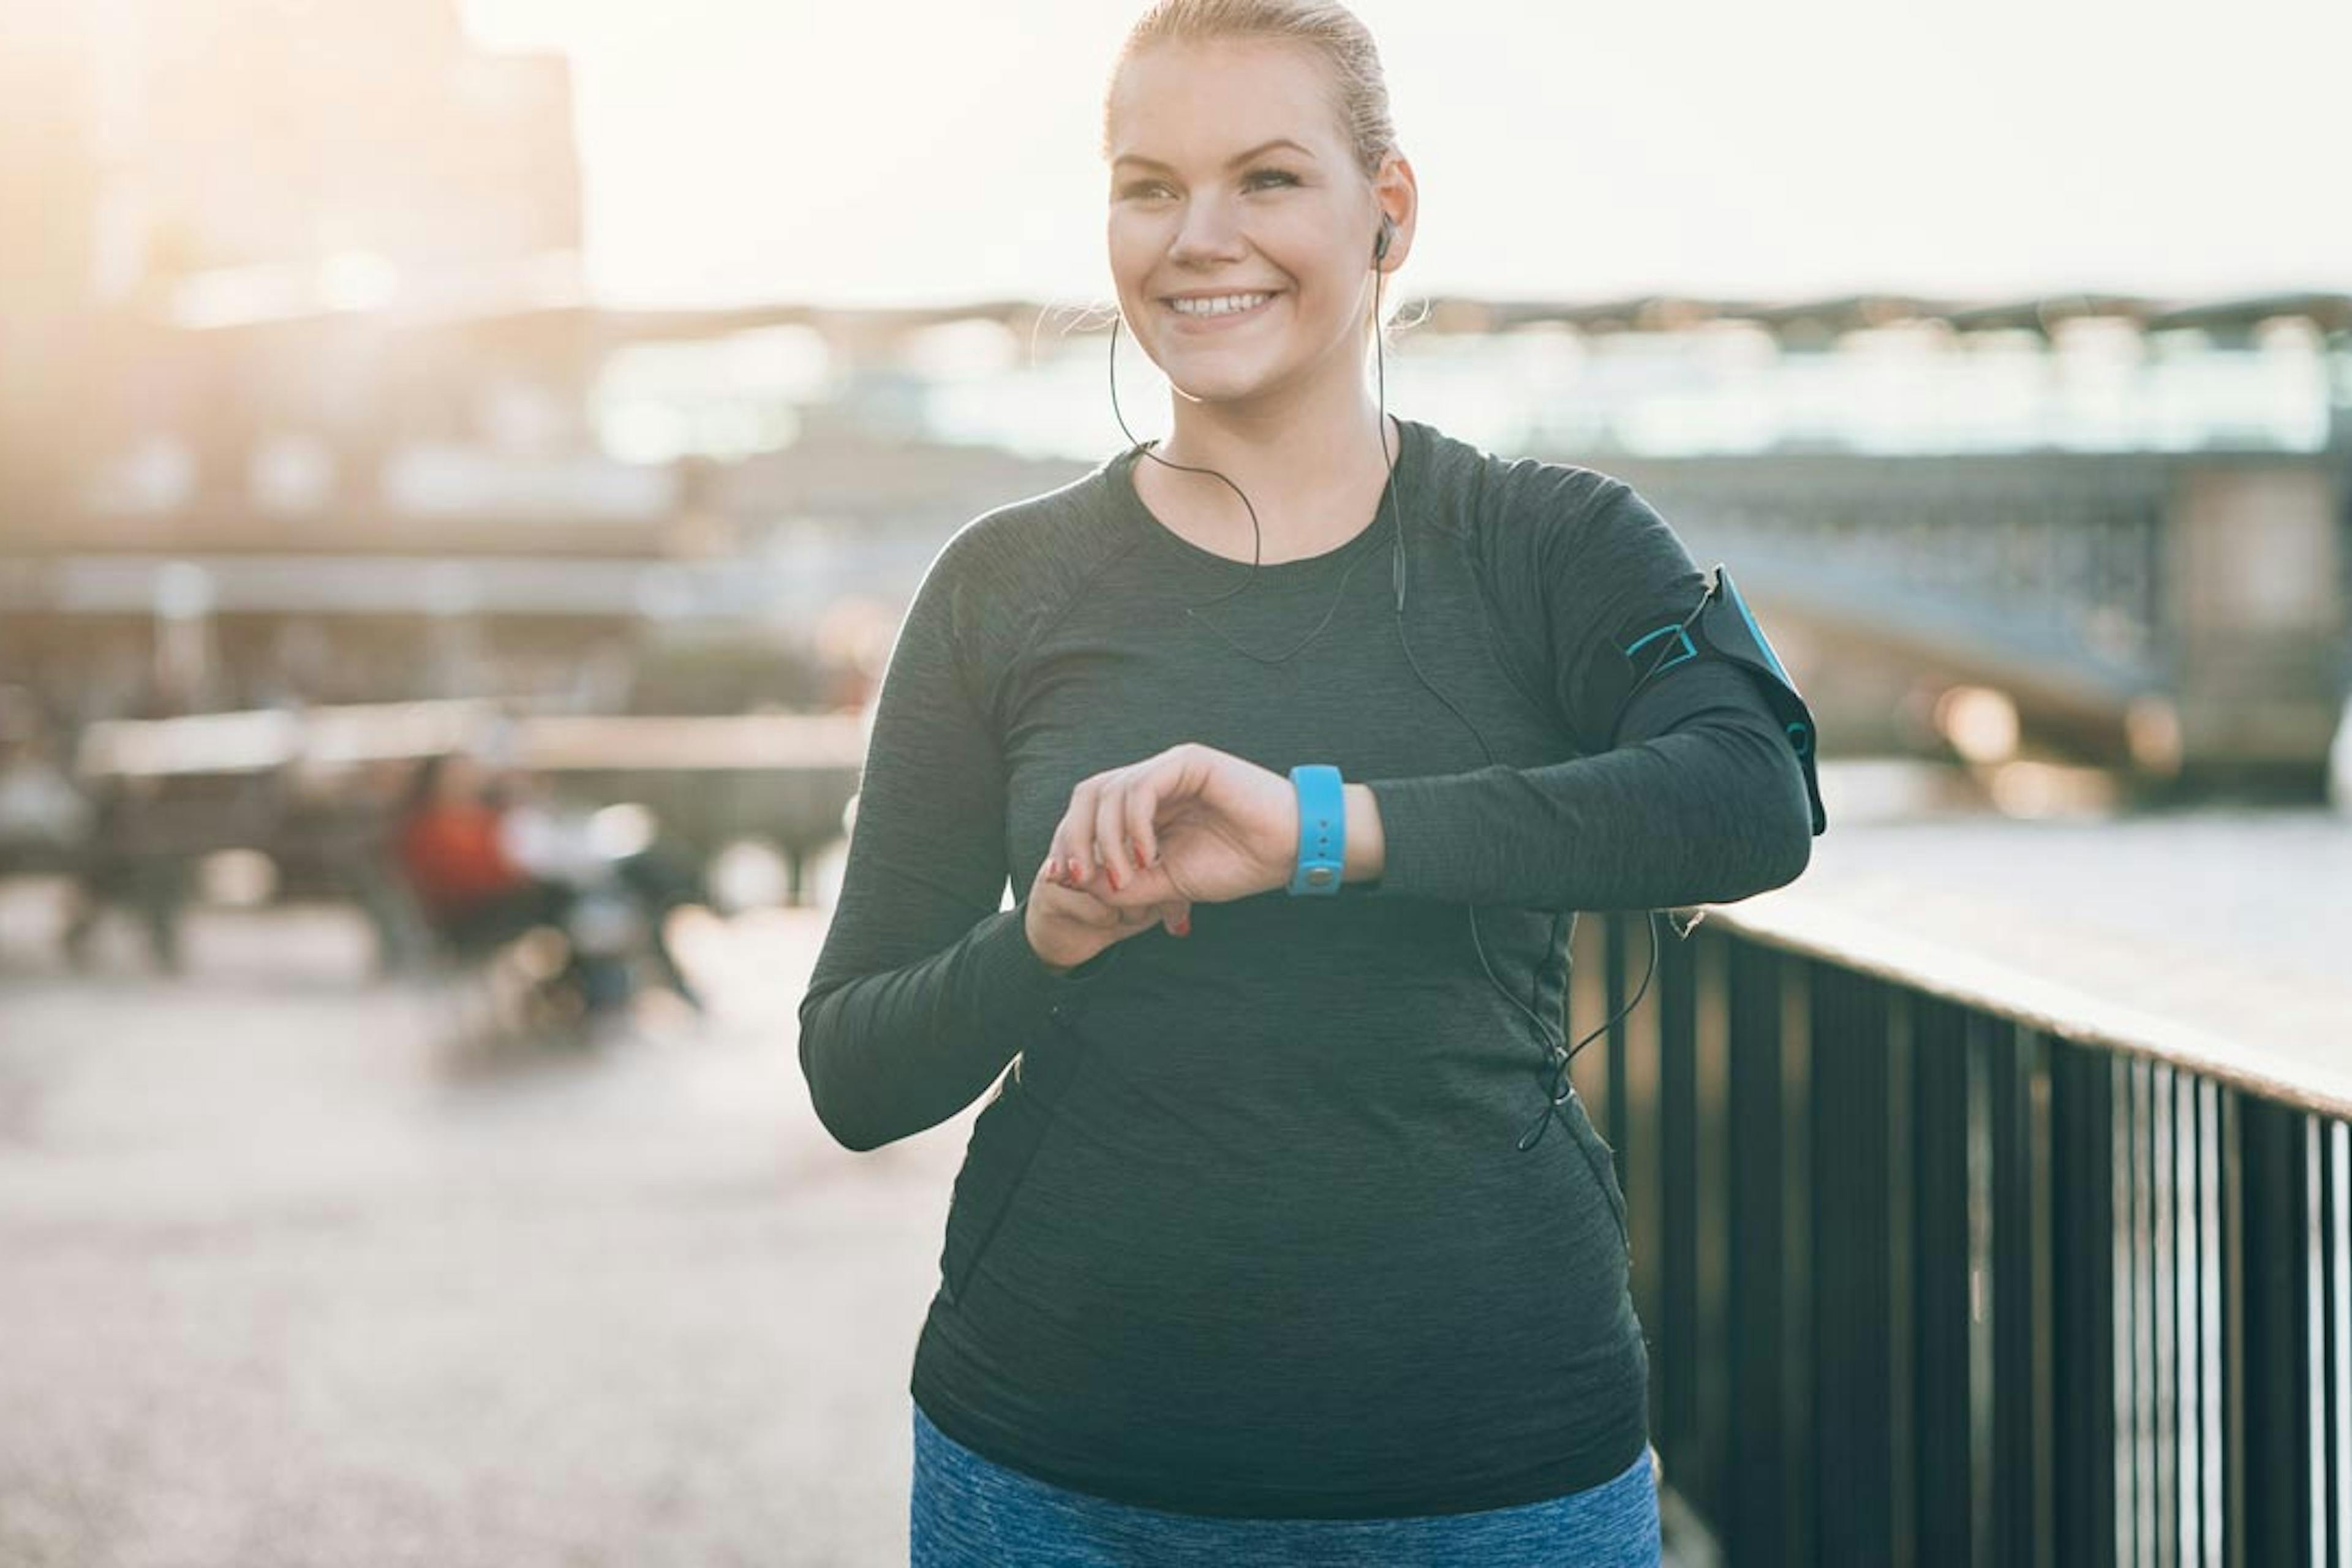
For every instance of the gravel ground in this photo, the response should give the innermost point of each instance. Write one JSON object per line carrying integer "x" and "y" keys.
{"x": 294, "y": 1275}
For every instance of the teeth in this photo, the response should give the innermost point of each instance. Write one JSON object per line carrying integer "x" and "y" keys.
{"x": 1222, "y": 305}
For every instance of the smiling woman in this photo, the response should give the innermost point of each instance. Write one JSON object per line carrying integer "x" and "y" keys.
{"x": 1250, "y": 175}
{"x": 1255, "y": 1254}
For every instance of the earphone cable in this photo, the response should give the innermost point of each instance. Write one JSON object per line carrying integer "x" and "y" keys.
{"x": 1257, "y": 537}
{"x": 1557, "y": 1087}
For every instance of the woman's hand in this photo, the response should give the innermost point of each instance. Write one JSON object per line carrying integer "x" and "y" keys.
{"x": 1068, "y": 925}
{"x": 1192, "y": 824}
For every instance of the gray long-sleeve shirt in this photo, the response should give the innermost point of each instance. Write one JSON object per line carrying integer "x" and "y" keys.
{"x": 1244, "y": 1231}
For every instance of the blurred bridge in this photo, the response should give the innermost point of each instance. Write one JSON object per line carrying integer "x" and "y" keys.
{"x": 2182, "y": 612}
{"x": 2176, "y": 614}
{"x": 2181, "y": 615}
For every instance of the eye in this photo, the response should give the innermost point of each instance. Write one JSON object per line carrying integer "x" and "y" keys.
{"x": 1269, "y": 177}
{"x": 1143, "y": 190}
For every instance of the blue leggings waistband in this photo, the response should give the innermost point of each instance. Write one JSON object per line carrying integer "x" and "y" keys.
{"x": 967, "y": 1512}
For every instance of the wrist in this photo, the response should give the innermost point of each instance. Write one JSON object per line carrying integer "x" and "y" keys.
{"x": 1029, "y": 936}
{"x": 1367, "y": 848}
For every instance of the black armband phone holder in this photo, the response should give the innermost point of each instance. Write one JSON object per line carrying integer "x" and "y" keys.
{"x": 1719, "y": 627}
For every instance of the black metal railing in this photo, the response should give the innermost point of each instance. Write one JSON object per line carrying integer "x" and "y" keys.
{"x": 1935, "y": 1271}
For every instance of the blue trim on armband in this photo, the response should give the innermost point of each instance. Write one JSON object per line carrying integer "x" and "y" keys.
{"x": 1680, "y": 630}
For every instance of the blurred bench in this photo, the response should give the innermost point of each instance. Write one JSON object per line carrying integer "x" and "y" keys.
{"x": 315, "y": 791}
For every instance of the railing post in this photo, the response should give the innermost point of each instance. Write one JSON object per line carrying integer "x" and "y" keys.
{"x": 2081, "y": 1158}
{"x": 2334, "y": 1258}
{"x": 2022, "y": 1524}
{"x": 1757, "y": 1500}
{"x": 2269, "y": 1473}
{"x": 1939, "y": 1141}
{"x": 1677, "y": 1368}
{"x": 1854, "y": 1331}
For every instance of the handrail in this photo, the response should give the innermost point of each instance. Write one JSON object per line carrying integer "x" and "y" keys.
{"x": 1814, "y": 929}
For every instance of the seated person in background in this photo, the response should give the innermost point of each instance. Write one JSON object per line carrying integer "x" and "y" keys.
{"x": 484, "y": 873}
{"x": 123, "y": 844}
{"x": 450, "y": 844}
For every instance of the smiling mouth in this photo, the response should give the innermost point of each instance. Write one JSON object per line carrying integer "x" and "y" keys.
{"x": 1218, "y": 307}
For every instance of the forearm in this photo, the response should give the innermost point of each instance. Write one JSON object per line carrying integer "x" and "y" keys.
{"x": 889, "y": 1054}
{"x": 1712, "y": 812}
{"x": 1368, "y": 850}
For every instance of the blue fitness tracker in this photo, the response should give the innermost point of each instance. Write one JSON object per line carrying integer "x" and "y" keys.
{"x": 1322, "y": 829}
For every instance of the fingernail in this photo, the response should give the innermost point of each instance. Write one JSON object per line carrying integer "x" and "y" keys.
{"x": 1077, "y": 871}
{"x": 1140, "y": 862}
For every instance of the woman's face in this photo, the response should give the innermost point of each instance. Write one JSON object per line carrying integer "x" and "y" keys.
{"x": 1241, "y": 227}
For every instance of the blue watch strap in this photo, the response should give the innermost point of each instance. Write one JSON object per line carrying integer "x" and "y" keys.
{"x": 1322, "y": 829}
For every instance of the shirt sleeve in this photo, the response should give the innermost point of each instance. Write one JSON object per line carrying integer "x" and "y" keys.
{"x": 925, "y": 987}
{"x": 1701, "y": 800}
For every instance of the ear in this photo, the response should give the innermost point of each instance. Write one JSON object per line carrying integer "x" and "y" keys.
{"x": 1398, "y": 192}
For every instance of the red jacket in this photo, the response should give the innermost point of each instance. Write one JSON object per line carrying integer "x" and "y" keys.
{"x": 453, "y": 857}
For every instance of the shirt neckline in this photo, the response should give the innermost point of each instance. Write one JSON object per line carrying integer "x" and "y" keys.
{"x": 1129, "y": 504}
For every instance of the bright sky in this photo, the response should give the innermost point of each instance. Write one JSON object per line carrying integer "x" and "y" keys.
{"x": 935, "y": 150}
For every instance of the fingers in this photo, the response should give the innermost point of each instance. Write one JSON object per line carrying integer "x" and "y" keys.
{"x": 1110, "y": 826}
{"x": 1056, "y": 900}
{"x": 1073, "y": 849}
{"x": 1174, "y": 914}
{"x": 1116, "y": 804}
{"x": 1090, "y": 842}
{"x": 1147, "y": 789}
{"x": 1139, "y": 814}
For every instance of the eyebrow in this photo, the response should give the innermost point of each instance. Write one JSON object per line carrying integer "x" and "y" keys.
{"x": 1233, "y": 163}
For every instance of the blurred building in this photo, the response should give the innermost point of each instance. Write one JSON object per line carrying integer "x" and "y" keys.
{"x": 48, "y": 207}
{"x": 241, "y": 158}
{"x": 226, "y": 220}
{"x": 360, "y": 148}
{"x": 183, "y": 168}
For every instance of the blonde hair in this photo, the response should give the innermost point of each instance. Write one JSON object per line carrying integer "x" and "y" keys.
{"x": 1331, "y": 31}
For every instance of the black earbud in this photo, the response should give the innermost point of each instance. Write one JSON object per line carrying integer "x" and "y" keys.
{"x": 1381, "y": 241}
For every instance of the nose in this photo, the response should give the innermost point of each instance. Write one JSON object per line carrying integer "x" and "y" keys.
{"x": 1208, "y": 233}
